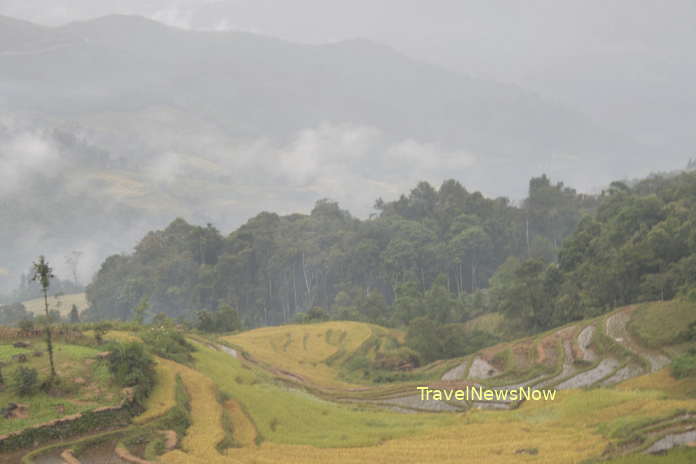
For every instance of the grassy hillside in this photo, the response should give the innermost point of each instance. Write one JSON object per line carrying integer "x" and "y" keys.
{"x": 280, "y": 394}
{"x": 86, "y": 383}
{"x": 319, "y": 354}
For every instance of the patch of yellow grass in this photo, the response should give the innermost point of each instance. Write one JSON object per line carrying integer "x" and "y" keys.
{"x": 63, "y": 304}
{"x": 303, "y": 349}
{"x": 162, "y": 398}
{"x": 292, "y": 416}
{"x": 206, "y": 430}
{"x": 300, "y": 428}
{"x": 464, "y": 443}
{"x": 243, "y": 430}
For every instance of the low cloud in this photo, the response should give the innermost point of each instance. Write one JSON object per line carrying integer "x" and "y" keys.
{"x": 24, "y": 154}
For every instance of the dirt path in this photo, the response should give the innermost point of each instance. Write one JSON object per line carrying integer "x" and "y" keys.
{"x": 616, "y": 329}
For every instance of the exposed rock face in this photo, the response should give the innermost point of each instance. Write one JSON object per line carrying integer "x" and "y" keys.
{"x": 482, "y": 369}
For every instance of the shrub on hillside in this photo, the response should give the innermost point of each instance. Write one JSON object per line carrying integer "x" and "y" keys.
{"x": 400, "y": 358}
{"x": 168, "y": 343}
{"x": 26, "y": 380}
{"x": 316, "y": 314}
{"x": 434, "y": 341}
{"x": 131, "y": 366}
{"x": 225, "y": 319}
{"x": 685, "y": 365}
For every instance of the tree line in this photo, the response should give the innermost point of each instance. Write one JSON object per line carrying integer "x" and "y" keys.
{"x": 430, "y": 253}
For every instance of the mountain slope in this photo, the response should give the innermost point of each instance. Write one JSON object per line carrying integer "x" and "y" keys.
{"x": 123, "y": 116}
{"x": 261, "y": 86}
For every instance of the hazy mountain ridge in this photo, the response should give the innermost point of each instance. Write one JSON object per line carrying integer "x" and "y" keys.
{"x": 127, "y": 123}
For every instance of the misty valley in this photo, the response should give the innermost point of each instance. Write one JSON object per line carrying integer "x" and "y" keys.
{"x": 220, "y": 245}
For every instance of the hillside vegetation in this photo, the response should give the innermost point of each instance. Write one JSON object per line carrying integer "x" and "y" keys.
{"x": 278, "y": 394}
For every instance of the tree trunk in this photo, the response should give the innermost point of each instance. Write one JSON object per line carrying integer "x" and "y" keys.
{"x": 49, "y": 341}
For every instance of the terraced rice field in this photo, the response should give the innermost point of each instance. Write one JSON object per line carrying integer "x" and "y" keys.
{"x": 306, "y": 351}
{"x": 285, "y": 402}
{"x": 206, "y": 430}
{"x": 162, "y": 398}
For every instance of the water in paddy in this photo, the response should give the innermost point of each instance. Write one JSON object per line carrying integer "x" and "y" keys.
{"x": 102, "y": 453}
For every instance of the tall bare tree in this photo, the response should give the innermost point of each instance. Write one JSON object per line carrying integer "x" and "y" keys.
{"x": 43, "y": 274}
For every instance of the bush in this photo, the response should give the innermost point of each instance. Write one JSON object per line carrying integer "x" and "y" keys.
{"x": 225, "y": 319}
{"x": 131, "y": 366}
{"x": 684, "y": 366}
{"x": 26, "y": 380}
{"x": 168, "y": 343}
{"x": 402, "y": 357}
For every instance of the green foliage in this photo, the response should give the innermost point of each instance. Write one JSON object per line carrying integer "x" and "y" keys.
{"x": 434, "y": 342}
{"x": 639, "y": 246}
{"x": 140, "y": 311}
{"x": 225, "y": 319}
{"x": 560, "y": 256}
{"x": 274, "y": 267}
{"x": 26, "y": 380}
{"x": 131, "y": 366}
{"x": 316, "y": 314}
{"x": 168, "y": 343}
{"x": 685, "y": 365}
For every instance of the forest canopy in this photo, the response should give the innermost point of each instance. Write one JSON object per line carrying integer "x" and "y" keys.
{"x": 446, "y": 254}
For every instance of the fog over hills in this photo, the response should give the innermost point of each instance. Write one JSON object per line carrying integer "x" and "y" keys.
{"x": 112, "y": 126}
